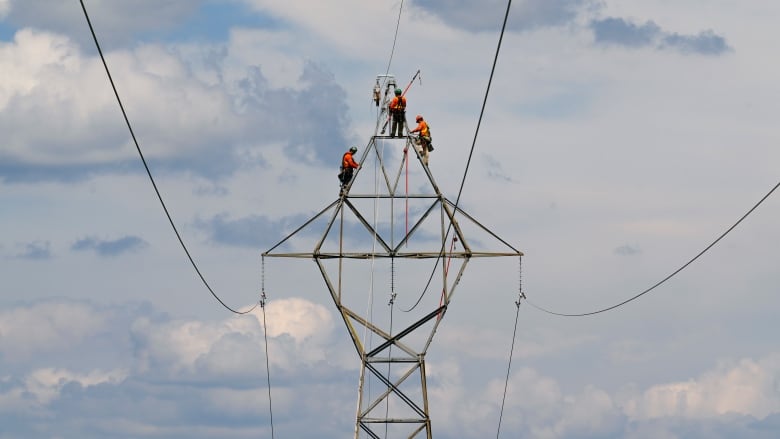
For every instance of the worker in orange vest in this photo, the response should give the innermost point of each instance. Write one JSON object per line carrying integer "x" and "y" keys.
{"x": 425, "y": 133}
{"x": 348, "y": 165}
{"x": 398, "y": 114}
{"x": 424, "y": 138}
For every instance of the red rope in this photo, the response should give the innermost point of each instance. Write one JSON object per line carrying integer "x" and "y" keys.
{"x": 406, "y": 158}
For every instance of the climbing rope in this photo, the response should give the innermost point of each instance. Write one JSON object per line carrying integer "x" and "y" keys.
{"x": 368, "y": 336}
{"x": 406, "y": 159}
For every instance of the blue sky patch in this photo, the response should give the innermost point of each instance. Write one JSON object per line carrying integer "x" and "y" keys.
{"x": 7, "y": 31}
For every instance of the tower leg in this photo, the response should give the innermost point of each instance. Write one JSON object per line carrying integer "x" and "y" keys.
{"x": 407, "y": 413}
{"x": 361, "y": 381}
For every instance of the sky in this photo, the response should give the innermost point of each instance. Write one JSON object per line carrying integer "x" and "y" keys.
{"x": 619, "y": 139}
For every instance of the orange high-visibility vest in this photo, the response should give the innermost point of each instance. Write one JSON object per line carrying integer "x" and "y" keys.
{"x": 347, "y": 161}
{"x": 422, "y": 128}
{"x": 398, "y": 104}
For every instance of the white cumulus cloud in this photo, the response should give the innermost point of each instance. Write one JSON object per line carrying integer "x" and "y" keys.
{"x": 748, "y": 387}
{"x": 45, "y": 384}
{"x": 47, "y": 326}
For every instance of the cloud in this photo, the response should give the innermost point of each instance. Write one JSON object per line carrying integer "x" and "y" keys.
{"x": 19, "y": 171}
{"x": 732, "y": 401}
{"x": 46, "y": 384}
{"x": 48, "y": 326}
{"x": 187, "y": 372}
{"x": 253, "y": 231}
{"x": 114, "y": 247}
{"x": 533, "y": 343}
{"x": 705, "y": 43}
{"x": 47, "y": 80}
{"x": 746, "y": 388}
{"x": 621, "y": 32}
{"x": 298, "y": 318}
{"x": 543, "y": 411}
{"x": 197, "y": 375}
{"x": 488, "y": 15}
{"x": 114, "y": 22}
{"x": 203, "y": 111}
{"x": 35, "y": 250}
{"x": 298, "y": 332}
{"x": 628, "y": 250}
{"x": 494, "y": 169}
{"x": 185, "y": 118}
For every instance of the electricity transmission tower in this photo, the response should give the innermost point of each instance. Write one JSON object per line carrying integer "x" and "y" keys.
{"x": 392, "y": 232}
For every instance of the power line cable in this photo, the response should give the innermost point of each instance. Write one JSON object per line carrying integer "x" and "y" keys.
{"x": 520, "y": 297}
{"x": 149, "y": 173}
{"x": 659, "y": 283}
{"x": 268, "y": 370}
{"x": 380, "y": 111}
{"x": 508, "y": 369}
{"x": 471, "y": 152}
{"x": 395, "y": 38}
{"x": 265, "y": 337}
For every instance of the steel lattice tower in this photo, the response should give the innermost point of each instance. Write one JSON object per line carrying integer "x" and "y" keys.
{"x": 414, "y": 239}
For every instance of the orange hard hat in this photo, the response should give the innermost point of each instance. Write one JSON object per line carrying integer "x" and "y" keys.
{"x": 418, "y": 118}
